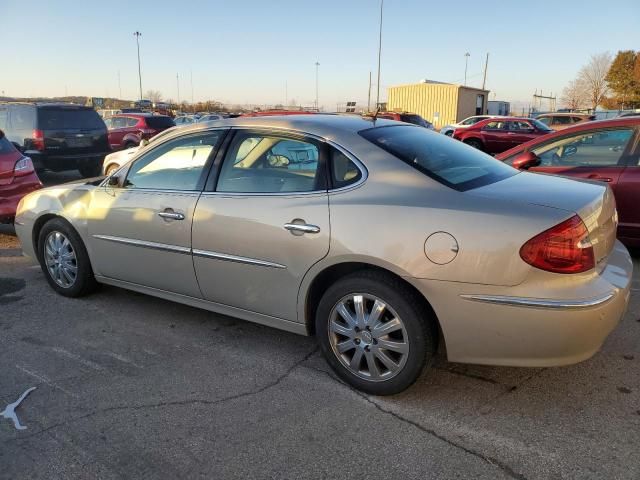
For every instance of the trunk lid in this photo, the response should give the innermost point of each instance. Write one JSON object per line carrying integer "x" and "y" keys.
{"x": 592, "y": 201}
{"x": 72, "y": 130}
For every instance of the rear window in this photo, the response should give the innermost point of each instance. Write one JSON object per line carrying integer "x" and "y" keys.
{"x": 160, "y": 122}
{"x": 540, "y": 125}
{"x": 415, "y": 119}
{"x": 447, "y": 161}
{"x": 69, "y": 118}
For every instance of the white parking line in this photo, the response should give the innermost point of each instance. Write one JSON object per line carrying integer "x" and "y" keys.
{"x": 73, "y": 356}
{"x": 44, "y": 379}
{"x": 122, "y": 359}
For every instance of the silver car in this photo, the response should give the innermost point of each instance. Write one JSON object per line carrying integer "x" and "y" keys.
{"x": 385, "y": 240}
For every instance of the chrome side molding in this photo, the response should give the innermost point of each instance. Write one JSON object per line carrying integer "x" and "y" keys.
{"x": 144, "y": 244}
{"x": 539, "y": 302}
{"x": 236, "y": 259}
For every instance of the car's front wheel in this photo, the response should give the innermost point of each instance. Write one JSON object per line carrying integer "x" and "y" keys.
{"x": 64, "y": 259}
{"x": 375, "y": 333}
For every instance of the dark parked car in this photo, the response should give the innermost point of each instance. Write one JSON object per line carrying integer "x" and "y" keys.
{"x": 17, "y": 178}
{"x": 57, "y": 136}
{"x": 605, "y": 150}
{"x": 496, "y": 135}
{"x": 126, "y": 130}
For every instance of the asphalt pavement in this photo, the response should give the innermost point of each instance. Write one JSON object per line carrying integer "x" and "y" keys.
{"x": 130, "y": 386}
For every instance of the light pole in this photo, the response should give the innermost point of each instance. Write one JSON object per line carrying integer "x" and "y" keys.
{"x": 466, "y": 64}
{"x": 138, "y": 35}
{"x": 178, "y": 84}
{"x": 379, "y": 55}
{"x": 317, "y": 65}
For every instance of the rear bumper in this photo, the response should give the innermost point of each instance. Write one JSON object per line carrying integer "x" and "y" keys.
{"x": 514, "y": 326}
{"x": 64, "y": 162}
{"x": 11, "y": 194}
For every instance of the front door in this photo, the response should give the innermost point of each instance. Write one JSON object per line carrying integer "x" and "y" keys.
{"x": 141, "y": 231}
{"x": 265, "y": 225}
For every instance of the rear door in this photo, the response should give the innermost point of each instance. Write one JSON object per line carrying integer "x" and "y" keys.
{"x": 495, "y": 136}
{"x": 265, "y": 225}
{"x": 72, "y": 130}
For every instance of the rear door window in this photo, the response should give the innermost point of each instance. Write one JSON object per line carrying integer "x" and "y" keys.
{"x": 495, "y": 125}
{"x": 450, "y": 163}
{"x": 69, "y": 119}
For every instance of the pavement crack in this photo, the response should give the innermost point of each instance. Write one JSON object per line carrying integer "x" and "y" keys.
{"x": 192, "y": 401}
{"x": 507, "y": 469}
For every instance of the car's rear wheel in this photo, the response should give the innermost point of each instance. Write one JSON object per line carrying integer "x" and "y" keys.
{"x": 472, "y": 142}
{"x": 374, "y": 332}
{"x": 64, "y": 259}
{"x": 128, "y": 145}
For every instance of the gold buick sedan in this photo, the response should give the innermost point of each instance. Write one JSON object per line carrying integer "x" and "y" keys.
{"x": 383, "y": 239}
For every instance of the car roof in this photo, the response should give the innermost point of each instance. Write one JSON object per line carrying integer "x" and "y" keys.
{"x": 564, "y": 114}
{"x": 50, "y": 104}
{"x": 577, "y": 128}
{"x": 137, "y": 114}
{"x": 323, "y": 125}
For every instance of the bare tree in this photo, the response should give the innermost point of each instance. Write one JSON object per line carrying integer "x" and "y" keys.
{"x": 154, "y": 95}
{"x": 592, "y": 78}
{"x": 573, "y": 95}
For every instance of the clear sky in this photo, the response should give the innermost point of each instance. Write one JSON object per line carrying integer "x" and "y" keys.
{"x": 247, "y": 51}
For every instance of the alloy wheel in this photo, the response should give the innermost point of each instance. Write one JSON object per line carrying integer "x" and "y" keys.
{"x": 368, "y": 337}
{"x": 60, "y": 259}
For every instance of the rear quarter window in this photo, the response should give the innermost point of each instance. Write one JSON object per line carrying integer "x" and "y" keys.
{"x": 448, "y": 161}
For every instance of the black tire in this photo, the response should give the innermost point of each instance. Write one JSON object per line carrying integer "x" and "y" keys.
{"x": 92, "y": 169}
{"x": 418, "y": 321}
{"x": 128, "y": 145}
{"x": 85, "y": 281}
{"x": 472, "y": 142}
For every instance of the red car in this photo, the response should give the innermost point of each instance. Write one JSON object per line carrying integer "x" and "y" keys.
{"x": 17, "y": 178}
{"x": 495, "y": 135}
{"x": 606, "y": 150}
{"x": 269, "y": 113}
{"x": 127, "y": 129}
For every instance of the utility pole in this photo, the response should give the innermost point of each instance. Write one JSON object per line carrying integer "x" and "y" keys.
{"x": 192, "y": 90}
{"x": 317, "y": 65}
{"x": 286, "y": 94}
{"x": 119, "y": 87}
{"x": 369, "y": 97}
{"x": 178, "y": 84}
{"x": 379, "y": 55}
{"x": 138, "y": 35}
{"x": 466, "y": 64}
{"x": 486, "y": 64}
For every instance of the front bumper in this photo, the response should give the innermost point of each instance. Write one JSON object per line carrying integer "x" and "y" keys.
{"x": 560, "y": 322}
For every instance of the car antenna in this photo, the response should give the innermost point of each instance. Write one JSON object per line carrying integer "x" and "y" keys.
{"x": 375, "y": 114}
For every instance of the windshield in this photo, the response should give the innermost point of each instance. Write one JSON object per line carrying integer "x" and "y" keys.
{"x": 69, "y": 118}
{"x": 415, "y": 119}
{"x": 447, "y": 161}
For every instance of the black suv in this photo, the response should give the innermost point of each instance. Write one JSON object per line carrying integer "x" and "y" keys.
{"x": 57, "y": 136}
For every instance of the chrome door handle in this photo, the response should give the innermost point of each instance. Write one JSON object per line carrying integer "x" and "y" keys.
{"x": 171, "y": 215}
{"x": 303, "y": 228}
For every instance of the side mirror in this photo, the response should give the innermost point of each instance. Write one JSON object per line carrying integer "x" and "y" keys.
{"x": 113, "y": 181}
{"x": 144, "y": 142}
{"x": 526, "y": 160}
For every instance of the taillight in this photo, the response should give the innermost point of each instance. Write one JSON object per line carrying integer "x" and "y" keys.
{"x": 565, "y": 248}
{"x": 23, "y": 167}
{"x": 37, "y": 139}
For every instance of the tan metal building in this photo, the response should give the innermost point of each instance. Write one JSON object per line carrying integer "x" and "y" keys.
{"x": 440, "y": 103}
